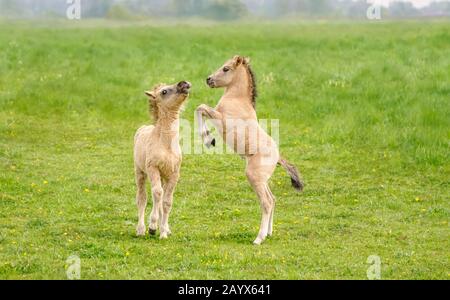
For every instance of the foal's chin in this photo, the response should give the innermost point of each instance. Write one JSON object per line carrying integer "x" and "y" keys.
{"x": 213, "y": 85}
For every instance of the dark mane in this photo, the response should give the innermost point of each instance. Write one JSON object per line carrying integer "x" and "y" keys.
{"x": 253, "y": 89}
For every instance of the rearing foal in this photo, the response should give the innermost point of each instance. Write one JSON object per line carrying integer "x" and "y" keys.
{"x": 235, "y": 118}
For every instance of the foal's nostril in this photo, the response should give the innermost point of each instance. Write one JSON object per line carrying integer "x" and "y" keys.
{"x": 184, "y": 84}
{"x": 208, "y": 80}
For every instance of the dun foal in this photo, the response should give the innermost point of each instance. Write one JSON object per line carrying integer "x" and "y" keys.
{"x": 157, "y": 155}
{"x": 235, "y": 118}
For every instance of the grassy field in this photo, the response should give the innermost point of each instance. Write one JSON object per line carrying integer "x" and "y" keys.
{"x": 364, "y": 113}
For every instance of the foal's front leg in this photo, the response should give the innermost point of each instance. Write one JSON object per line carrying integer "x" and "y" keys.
{"x": 169, "y": 189}
{"x": 208, "y": 112}
{"x": 157, "y": 193}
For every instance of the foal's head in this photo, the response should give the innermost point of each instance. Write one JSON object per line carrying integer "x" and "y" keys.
{"x": 227, "y": 73}
{"x": 169, "y": 98}
{"x": 233, "y": 71}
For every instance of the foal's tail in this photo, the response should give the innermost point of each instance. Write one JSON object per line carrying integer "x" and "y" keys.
{"x": 297, "y": 183}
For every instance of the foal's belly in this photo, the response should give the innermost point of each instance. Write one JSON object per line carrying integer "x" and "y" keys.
{"x": 247, "y": 138}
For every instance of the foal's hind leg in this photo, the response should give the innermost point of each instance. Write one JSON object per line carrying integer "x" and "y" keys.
{"x": 258, "y": 176}
{"x": 141, "y": 201}
{"x": 270, "y": 229}
{"x": 267, "y": 207}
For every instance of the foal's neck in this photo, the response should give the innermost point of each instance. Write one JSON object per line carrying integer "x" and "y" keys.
{"x": 241, "y": 86}
{"x": 168, "y": 127}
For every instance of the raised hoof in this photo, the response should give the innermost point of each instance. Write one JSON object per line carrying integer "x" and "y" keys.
{"x": 210, "y": 143}
{"x": 151, "y": 231}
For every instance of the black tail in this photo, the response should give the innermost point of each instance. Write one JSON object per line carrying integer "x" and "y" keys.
{"x": 297, "y": 183}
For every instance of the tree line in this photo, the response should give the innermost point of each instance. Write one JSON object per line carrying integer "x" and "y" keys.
{"x": 216, "y": 9}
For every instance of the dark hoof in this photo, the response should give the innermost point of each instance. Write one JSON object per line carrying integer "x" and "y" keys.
{"x": 151, "y": 231}
{"x": 213, "y": 142}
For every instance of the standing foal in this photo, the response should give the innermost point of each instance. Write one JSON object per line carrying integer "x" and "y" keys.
{"x": 235, "y": 118}
{"x": 157, "y": 155}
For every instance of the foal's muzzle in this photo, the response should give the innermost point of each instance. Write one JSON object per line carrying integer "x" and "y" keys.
{"x": 183, "y": 87}
{"x": 210, "y": 82}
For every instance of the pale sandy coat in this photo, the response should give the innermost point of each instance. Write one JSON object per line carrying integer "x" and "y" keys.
{"x": 245, "y": 136}
{"x": 157, "y": 155}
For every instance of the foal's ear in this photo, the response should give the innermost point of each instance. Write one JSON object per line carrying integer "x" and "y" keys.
{"x": 151, "y": 94}
{"x": 238, "y": 60}
{"x": 246, "y": 60}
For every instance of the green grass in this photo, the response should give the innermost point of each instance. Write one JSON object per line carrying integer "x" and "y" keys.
{"x": 364, "y": 113}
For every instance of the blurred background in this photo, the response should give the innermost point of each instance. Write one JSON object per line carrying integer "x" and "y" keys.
{"x": 224, "y": 10}
{"x": 363, "y": 108}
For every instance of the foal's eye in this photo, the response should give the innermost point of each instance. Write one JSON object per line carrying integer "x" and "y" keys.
{"x": 164, "y": 92}
{"x": 226, "y": 69}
